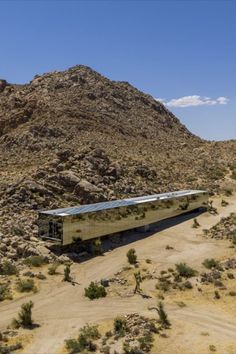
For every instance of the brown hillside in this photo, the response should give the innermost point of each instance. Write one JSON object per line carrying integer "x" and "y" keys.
{"x": 76, "y": 137}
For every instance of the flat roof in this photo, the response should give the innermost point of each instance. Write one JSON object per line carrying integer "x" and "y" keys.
{"x": 88, "y": 208}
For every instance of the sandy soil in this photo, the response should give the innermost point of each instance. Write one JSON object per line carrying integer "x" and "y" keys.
{"x": 61, "y": 309}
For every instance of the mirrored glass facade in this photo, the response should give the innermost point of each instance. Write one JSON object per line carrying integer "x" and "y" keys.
{"x": 66, "y": 228}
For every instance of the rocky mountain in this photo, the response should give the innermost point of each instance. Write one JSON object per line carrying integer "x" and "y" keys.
{"x": 77, "y": 137}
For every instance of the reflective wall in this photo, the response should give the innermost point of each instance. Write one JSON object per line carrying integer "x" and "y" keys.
{"x": 90, "y": 225}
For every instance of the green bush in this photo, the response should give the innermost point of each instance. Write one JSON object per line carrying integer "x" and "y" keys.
{"x": 36, "y": 261}
{"x": 84, "y": 341}
{"x": 163, "y": 285}
{"x": 187, "y": 284}
{"x": 224, "y": 203}
{"x": 24, "y": 316}
{"x": 210, "y": 263}
{"x": 7, "y": 268}
{"x": 52, "y": 269}
{"x": 132, "y": 257}
{"x": 96, "y": 247}
{"x": 185, "y": 271}
{"x": 5, "y": 293}
{"x": 146, "y": 342}
{"x": 26, "y": 285}
{"x": 120, "y": 326}
{"x": 67, "y": 276}
{"x": 163, "y": 315}
{"x": 195, "y": 223}
{"x": 95, "y": 291}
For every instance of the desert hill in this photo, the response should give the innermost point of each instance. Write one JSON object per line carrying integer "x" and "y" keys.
{"x": 77, "y": 137}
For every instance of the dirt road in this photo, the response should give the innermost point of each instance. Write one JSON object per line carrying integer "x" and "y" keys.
{"x": 60, "y": 308}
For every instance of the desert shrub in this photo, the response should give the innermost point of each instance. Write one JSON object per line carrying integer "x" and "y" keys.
{"x": 185, "y": 271}
{"x": 73, "y": 346}
{"x": 210, "y": 263}
{"x": 145, "y": 342}
{"x": 224, "y": 203}
{"x": 132, "y": 257}
{"x": 35, "y": 261}
{"x": 84, "y": 341}
{"x": 67, "y": 276}
{"x": 168, "y": 247}
{"x": 211, "y": 209}
{"x": 163, "y": 285}
{"x": 184, "y": 206}
{"x": 163, "y": 315}
{"x": 212, "y": 348}
{"x": 5, "y": 293}
{"x": 17, "y": 231}
{"x": 120, "y": 326}
{"x": 52, "y": 269}
{"x": 228, "y": 191}
{"x": 128, "y": 349}
{"x": 40, "y": 276}
{"x": 148, "y": 261}
{"x": 96, "y": 247}
{"x": 232, "y": 293}
{"x": 195, "y": 223}
{"x": 8, "y": 268}
{"x": 108, "y": 334}
{"x": 233, "y": 239}
{"x": 95, "y": 291}
{"x": 26, "y": 285}
{"x": 138, "y": 281}
{"x": 187, "y": 284}
{"x": 24, "y": 316}
{"x": 230, "y": 275}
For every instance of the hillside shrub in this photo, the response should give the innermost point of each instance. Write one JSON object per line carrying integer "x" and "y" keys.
{"x": 52, "y": 269}
{"x": 120, "y": 326}
{"x": 26, "y": 285}
{"x": 8, "y": 268}
{"x": 24, "y": 316}
{"x": 5, "y": 293}
{"x": 132, "y": 257}
{"x": 85, "y": 339}
{"x": 95, "y": 291}
{"x": 36, "y": 261}
{"x": 185, "y": 271}
{"x": 210, "y": 263}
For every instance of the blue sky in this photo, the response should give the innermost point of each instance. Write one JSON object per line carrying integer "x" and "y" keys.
{"x": 183, "y": 52}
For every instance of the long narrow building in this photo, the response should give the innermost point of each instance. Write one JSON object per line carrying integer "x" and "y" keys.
{"x": 90, "y": 221}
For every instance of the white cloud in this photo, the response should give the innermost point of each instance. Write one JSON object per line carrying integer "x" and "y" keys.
{"x": 195, "y": 100}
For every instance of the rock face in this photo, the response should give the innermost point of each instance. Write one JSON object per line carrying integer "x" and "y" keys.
{"x": 75, "y": 137}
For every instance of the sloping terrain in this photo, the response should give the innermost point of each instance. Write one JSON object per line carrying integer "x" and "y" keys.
{"x": 61, "y": 308}
{"x": 76, "y": 137}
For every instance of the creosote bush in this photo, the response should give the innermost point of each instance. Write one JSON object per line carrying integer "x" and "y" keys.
{"x": 8, "y": 268}
{"x": 224, "y": 203}
{"x": 52, "y": 269}
{"x": 35, "y": 261}
{"x": 132, "y": 257}
{"x": 185, "y": 271}
{"x": 24, "y": 316}
{"x": 84, "y": 342}
{"x": 210, "y": 263}
{"x": 5, "y": 293}
{"x": 163, "y": 318}
{"x": 67, "y": 276}
{"x": 195, "y": 223}
{"x": 26, "y": 285}
{"x": 95, "y": 291}
{"x": 120, "y": 326}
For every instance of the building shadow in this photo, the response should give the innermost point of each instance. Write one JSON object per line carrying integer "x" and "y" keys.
{"x": 82, "y": 251}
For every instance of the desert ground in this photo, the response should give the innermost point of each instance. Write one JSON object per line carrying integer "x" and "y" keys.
{"x": 201, "y": 326}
